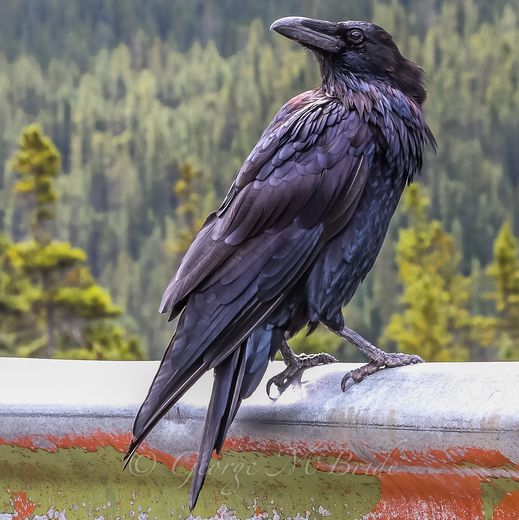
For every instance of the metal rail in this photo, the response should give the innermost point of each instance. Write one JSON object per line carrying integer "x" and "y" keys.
{"x": 432, "y": 441}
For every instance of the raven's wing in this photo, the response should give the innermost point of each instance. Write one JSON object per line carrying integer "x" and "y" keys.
{"x": 296, "y": 190}
{"x": 310, "y": 136}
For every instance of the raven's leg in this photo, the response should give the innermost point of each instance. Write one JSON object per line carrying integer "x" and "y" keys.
{"x": 378, "y": 358}
{"x": 295, "y": 363}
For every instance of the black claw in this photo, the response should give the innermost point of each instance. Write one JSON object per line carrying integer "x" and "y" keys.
{"x": 269, "y": 386}
{"x": 345, "y": 380}
{"x": 271, "y": 382}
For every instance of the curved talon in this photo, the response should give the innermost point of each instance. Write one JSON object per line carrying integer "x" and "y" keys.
{"x": 282, "y": 379}
{"x": 273, "y": 381}
{"x": 360, "y": 373}
{"x": 345, "y": 380}
{"x": 270, "y": 382}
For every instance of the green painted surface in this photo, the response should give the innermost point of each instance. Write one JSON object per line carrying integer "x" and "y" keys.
{"x": 493, "y": 491}
{"x": 88, "y": 485}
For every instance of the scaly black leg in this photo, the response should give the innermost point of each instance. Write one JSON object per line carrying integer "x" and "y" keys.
{"x": 295, "y": 363}
{"x": 378, "y": 358}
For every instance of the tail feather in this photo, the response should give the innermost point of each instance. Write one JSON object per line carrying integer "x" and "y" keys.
{"x": 150, "y": 412}
{"x": 228, "y": 376}
{"x": 233, "y": 381}
{"x": 236, "y": 376}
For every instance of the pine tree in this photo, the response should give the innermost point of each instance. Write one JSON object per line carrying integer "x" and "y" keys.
{"x": 435, "y": 322}
{"x": 67, "y": 301}
{"x": 16, "y": 297}
{"x": 505, "y": 272}
{"x": 188, "y": 211}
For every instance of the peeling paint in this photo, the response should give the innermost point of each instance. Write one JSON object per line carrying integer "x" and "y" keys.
{"x": 88, "y": 485}
{"x": 94, "y": 441}
{"x": 273, "y": 478}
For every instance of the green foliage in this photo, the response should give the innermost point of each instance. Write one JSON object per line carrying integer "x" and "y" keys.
{"x": 55, "y": 287}
{"x": 128, "y": 93}
{"x": 16, "y": 298}
{"x": 15, "y": 290}
{"x": 92, "y": 302}
{"x": 435, "y": 322}
{"x": 38, "y": 258}
{"x": 188, "y": 211}
{"x": 505, "y": 271}
{"x": 105, "y": 341}
{"x": 37, "y": 163}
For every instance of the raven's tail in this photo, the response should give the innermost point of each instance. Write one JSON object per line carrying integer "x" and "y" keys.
{"x": 235, "y": 378}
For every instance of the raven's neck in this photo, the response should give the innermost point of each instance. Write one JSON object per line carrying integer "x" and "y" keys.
{"x": 380, "y": 103}
{"x": 344, "y": 85}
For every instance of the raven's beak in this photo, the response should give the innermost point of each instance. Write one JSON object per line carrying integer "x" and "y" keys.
{"x": 314, "y": 34}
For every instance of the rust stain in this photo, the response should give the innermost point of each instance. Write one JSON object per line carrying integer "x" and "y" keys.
{"x": 439, "y": 459}
{"x": 403, "y": 458}
{"x": 404, "y": 495}
{"x": 409, "y": 496}
{"x": 301, "y": 449}
{"x": 52, "y": 443}
{"x": 508, "y": 508}
{"x": 346, "y": 461}
{"x": 23, "y": 506}
{"x": 91, "y": 443}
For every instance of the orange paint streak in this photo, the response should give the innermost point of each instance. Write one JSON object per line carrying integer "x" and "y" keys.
{"x": 404, "y": 494}
{"x": 508, "y": 508}
{"x": 299, "y": 449}
{"x": 381, "y": 462}
{"x": 445, "y": 458}
{"x": 22, "y": 505}
{"x": 352, "y": 463}
{"x": 96, "y": 440}
{"x": 409, "y": 496}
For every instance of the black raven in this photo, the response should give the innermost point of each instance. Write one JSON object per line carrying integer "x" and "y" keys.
{"x": 300, "y": 228}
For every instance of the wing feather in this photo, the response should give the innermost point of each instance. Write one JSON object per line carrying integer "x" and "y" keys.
{"x": 274, "y": 186}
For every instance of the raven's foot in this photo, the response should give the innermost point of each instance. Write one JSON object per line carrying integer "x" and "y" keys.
{"x": 379, "y": 358}
{"x": 295, "y": 363}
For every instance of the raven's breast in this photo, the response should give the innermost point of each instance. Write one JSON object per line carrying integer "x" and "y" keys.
{"x": 349, "y": 256}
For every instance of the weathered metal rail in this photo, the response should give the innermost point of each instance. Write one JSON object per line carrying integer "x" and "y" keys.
{"x": 434, "y": 441}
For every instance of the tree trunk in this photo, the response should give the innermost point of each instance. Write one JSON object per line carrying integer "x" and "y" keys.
{"x": 49, "y": 320}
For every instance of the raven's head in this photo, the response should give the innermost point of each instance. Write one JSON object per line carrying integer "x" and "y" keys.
{"x": 358, "y": 49}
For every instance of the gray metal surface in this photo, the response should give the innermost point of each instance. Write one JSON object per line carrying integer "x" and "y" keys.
{"x": 429, "y": 404}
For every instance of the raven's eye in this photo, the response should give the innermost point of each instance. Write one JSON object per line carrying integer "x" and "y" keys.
{"x": 355, "y": 36}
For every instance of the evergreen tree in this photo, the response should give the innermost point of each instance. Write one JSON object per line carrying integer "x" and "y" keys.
{"x": 131, "y": 94}
{"x": 16, "y": 298}
{"x": 65, "y": 295}
{"x": 435, "y": 322}
{"x": 505, "y": 272}
{"x": 188, "y": 212}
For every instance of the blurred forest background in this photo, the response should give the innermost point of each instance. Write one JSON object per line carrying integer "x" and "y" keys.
{"x": 124, "y": 121}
